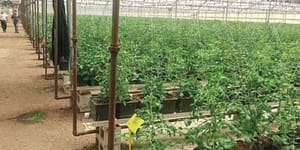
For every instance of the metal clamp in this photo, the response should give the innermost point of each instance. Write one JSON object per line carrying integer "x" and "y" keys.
{"x": 114, "y": 48}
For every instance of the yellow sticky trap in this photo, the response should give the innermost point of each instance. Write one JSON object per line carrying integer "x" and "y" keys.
{"x": 134, "y": 123}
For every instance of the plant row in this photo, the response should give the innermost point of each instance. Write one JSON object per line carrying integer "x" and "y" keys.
{"x": 245, "y": 65}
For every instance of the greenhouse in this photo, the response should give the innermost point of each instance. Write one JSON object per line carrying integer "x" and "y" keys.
{"x": 150, "y": 75}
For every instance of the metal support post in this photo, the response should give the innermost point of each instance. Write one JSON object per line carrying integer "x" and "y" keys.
{"x": 114, "y": 48}
{"x": 74, "y": 69}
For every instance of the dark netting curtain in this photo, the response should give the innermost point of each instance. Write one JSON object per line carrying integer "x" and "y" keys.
{"x": 63, "y": 37}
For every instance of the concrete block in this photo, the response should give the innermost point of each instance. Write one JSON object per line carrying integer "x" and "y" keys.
{"x": 102, "y": 136}
{"x": 83, "y": 102}
{"x": 103, "y": 147}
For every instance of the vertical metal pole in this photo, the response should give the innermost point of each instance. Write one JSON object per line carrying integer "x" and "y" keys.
{"x": 285, "y": 12}
{"x": 28, "y": 18}
{"x": 226, "y": 15}
{"x": 46, "y": 34}
{"x": 31, "y": 20}
{"x": 56, "y": 47}
{"x": 38, "y": 29}
{"x": 114, "y": 48}
{"x": 246, "y": 15}
{"x": 44, "y": 27}
{"x": 176, "y": 8}
{"x": 69, "y": 12}
{"x": 24, "y": 16}
{"x": 34, "y": 23}
{"x": 268, "y": 14}
{"x": 35, "y": 26}
{"x": 239, "y": 10}
{"x": 74, "y": 69}
{"x": 30, "y": 24}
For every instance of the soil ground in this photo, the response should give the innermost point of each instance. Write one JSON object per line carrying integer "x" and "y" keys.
{"x": 23, "y": 89}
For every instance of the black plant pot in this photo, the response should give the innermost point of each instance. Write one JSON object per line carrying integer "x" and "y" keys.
{"x": 169, "y": 106}
{"x": 127, "y": 110}
{"x": 184, "y": 104}
{"x": 99, "y": 110}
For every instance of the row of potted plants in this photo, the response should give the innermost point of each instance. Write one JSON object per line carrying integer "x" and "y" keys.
{"x": 171, "y": 99}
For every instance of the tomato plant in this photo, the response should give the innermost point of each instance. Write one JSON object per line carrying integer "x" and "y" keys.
{"x": 246, "y": 66}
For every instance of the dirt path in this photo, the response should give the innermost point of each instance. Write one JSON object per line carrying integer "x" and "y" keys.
{"x": 23, "y": 89}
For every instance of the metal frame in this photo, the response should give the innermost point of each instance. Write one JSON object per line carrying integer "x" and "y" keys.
{"x": 230, "y": 10}
{"x": 74, "y": 70}
{"x": 45, "y": 53}
{"x": 114, "y": 48}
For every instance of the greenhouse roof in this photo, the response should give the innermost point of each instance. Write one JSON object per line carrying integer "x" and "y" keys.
{"x": 213, "y": 5}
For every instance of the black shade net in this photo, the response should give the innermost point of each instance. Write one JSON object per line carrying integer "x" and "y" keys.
{"x": 63, "y": 37}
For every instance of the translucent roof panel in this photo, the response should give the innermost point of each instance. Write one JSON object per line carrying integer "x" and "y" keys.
{"x": 213, "y": 9}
